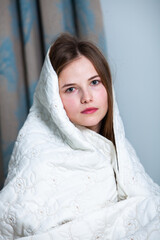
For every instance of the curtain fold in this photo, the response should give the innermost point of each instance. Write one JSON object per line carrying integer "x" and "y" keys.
{"x": 57, "y": 16}
{"x": 27, "y": 28}
{"x": 32, "y": 46}
{"x": 13, "y": 103}
{"x": 89, "y": 22}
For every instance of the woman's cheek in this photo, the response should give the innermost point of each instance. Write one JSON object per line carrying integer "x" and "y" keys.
{"x": 69, "y": 104}
{"x": 102, "y": 93}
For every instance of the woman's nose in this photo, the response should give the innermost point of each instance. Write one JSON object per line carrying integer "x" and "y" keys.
{"x": 86, "y": 97}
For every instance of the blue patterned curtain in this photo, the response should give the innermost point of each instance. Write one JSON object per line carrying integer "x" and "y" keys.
{"x": 27, "y": 28}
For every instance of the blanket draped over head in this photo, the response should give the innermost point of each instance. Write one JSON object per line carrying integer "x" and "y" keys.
{"x": 67, "y": 182}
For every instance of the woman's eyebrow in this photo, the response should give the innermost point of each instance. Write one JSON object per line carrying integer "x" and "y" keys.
{"x": 68, "y": 85}
{"x": 93, "y": 77}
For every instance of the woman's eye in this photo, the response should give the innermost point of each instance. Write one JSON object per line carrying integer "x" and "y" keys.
{"x": 95, "y": 82}
{"x": 71, "y": 89}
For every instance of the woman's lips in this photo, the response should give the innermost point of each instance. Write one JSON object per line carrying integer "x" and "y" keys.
{"x": 89, "y": 110}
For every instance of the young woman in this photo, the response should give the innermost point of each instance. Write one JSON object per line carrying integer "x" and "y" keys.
{"x": 73, "y": 174}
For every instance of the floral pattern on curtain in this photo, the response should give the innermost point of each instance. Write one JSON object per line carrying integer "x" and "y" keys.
{"x": 27, "y": 28}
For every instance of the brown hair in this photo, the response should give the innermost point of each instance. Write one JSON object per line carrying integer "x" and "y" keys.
{"x": 66, "y": 49}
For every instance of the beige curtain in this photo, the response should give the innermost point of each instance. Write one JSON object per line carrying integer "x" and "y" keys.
{"x": 27, "y": 28}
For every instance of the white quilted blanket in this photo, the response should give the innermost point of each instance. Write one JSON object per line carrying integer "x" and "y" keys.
{"x": 66, "y": 183}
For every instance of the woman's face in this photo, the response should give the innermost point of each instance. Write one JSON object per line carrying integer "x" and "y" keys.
{"x": 83, "y": 95}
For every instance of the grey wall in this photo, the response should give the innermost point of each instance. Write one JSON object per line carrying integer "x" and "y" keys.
{"x": 132, "y": 29}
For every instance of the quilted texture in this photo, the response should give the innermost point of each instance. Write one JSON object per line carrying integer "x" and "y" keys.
{"x": 67, "y": 182}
